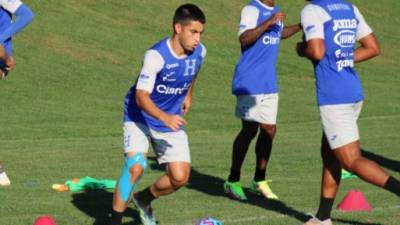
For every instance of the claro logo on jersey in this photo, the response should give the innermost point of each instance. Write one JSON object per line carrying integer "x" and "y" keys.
{"x": 164, "y": 89}
{"x": 271, "y": 40}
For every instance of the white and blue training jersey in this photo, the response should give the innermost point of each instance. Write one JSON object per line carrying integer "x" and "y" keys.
{"x": 255, "y": 73}
{"x": 167, "y": 77}
{"x": 7, "y": 8}
{"x": 341, "y": 25}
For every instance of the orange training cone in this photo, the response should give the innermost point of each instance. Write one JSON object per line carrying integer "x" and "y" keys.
{"x": 44, "y": 220}
{"x": 354, "y": 201}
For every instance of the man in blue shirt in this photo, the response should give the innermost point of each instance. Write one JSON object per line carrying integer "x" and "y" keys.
{"x": 256, "y": 88}
{"x": 332, "y": 28}
{"x": 154, "y": 110}
{"x": 8, "y": 28}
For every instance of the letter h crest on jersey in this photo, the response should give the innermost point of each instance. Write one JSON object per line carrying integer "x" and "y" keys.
{"x": 190, "y": 68}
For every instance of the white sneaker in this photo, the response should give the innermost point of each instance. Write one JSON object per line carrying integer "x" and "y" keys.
{"x": 4, "y": 180}
{"x": 315, "y": 221}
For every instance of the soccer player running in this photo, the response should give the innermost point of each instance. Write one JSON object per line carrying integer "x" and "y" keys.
{"x": 8, "y": 28}
{"x": 332, "y": 29}
{"x": 154, "y": 110}
{"x": 256, "y": 88}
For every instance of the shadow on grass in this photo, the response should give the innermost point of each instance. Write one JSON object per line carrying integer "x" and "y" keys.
{"x": 390, "y": 164}
{"x": 354, "y": 222}
{"x": 97, "y": 204}
{"x": 213, "y": 186}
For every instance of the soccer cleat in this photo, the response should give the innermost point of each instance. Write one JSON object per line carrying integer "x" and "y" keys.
{"x": 4, "y": 180}
{"x": 315, "y": 221}
{"x": 146, "y": 212}
{"x": 262, "y": 188}
{"x": 234, "y": 190}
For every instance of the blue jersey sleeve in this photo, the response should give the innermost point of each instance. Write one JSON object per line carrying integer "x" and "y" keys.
{"x": 8, "y": 47}
{"x": 24, "y": 16}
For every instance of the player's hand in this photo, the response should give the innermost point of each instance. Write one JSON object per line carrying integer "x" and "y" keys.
{"x": 301, "y": 48}
{"x": 10, "y": 63}
{"x": 173, "y": 121}
{"x": 187, "y": 104}
{"x": 279, "y": 16}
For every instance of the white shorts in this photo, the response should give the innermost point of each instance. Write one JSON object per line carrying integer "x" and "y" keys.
{"x": 168, "y": 146}
{"x": 261, "y": 108}
{"x": 340, "y": 123}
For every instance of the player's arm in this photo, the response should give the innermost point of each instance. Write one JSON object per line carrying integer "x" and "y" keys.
{"x": 251, "y": 36}
{"x": 3, "y": 54}
{"x": 152, "y": 64}
{"x": 369, "y": 46}
{"x": 289, "y": 31}
{"x": 314, "y": 49}
{"x": 313, "y": 44}
{"x": 368, "y": 49}
{"x": 8, "y": 60}
{"x": 187, "y": 103}
{"x": 249, "y": 32}
{"x": 23, "y": 14}
{"x": 144, "y": 101}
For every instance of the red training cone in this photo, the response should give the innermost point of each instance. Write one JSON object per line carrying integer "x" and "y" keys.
{"x": 44, "y": 220}
{"x": 354, "y": 201}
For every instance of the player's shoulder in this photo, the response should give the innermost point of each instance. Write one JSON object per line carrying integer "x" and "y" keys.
{"x": 161, "y": 48}
{"x": 160, "y": 44}
{"x": 250, "y": 9}
{"x": 314, "y": 11}
{"x": 203, "y": 50}
{"x": 356, "y": 10}
{"x": 311, "y": 8}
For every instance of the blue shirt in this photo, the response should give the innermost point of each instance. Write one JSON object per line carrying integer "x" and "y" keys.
{"x": 255, "y": 73}
{"x": 337, "y": 82}
{"x": 169, "y": 87}
{"x": 6, "y": 22}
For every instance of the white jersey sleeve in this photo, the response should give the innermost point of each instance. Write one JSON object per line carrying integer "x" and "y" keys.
{"x": 313, "y": 18}
{"x": 152, "y": 64}
{"x": 248, "y": 19}
{"x": 204, "y": 51}
{"x": 10, "y": 5}
{"x": 363, "y": 28}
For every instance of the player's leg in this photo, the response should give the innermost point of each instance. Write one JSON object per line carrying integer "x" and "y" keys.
{"x": 341, "y": 129}
{"x": 172, "y": 149}
{"x": 240, "y": 147}
{"x": 136, "y": 145}
{"x": 264, "y": 149}
{"x": 241, "y": 144}
{"x": 176, "y": 176}
{"x": 267, "y": 114}
{"x": 351, "y": 159}
{"x": 331, "y": 174}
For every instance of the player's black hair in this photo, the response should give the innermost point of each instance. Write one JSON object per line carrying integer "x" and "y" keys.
{"x": 186, "y": 13}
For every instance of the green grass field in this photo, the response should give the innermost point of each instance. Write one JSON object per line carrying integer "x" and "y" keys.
{"x": 61, "y": 112}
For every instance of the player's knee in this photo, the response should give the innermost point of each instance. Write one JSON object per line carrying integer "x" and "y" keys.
{"x": 268, "y": 129}
{"x": 179, "y": 180}
{"x": 131, "y": 174}
{"x": 249, "y": 131}
{"x": 350, "y": 164}
{"x": 136, "y": 171}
